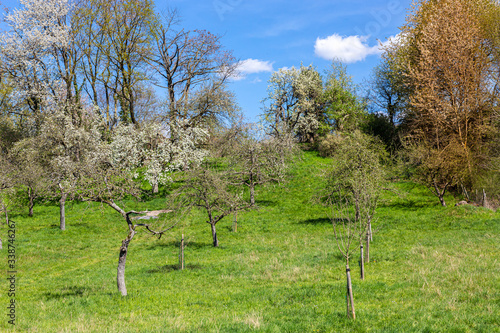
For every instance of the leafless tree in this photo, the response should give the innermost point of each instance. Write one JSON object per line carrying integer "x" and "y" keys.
{"x": 210, "y": 190}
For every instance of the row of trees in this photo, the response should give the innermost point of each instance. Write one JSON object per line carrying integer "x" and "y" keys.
{"x": 433, "y": 100}
{"x": 438, "y": 83}
{"x": 114, "y": 55}
{"x": 80, "y": 120}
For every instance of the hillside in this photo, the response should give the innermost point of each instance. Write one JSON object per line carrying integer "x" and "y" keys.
{"x": 432, "y": 269}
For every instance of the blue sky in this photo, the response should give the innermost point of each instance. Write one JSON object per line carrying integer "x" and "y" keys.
{"x": 266, "y": 35}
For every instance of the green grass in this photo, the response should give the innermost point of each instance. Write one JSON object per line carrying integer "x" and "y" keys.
{"x": 433, "y": 269}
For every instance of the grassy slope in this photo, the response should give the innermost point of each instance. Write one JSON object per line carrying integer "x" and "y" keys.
{"x": 433, "y": 269}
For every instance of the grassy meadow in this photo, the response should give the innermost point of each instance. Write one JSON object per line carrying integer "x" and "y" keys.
{"x": 432, "y": 268}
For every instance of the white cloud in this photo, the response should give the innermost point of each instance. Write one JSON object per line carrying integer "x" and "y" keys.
{"x": 347, "y": 49}
{"x": 251, "y": 66}
{"x": 397, "y": 39}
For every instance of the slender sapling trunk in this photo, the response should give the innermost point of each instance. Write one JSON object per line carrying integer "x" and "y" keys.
{"x": 349, "y": 292}
{"x": 31, "y": 202}
{"x": 62, "y": 211}
{"x": 362, "y": 263}
{"x": 6, "y": 213}
{"x": 367, "y": 255}
{"x": 181, "y": 253}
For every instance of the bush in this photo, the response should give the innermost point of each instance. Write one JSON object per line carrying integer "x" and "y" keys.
{"x": 328, "y": 144}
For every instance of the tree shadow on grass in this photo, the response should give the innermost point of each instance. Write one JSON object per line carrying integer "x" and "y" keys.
{"x": 73, "y": 291}
{"x": 409, "y": 205}
{"x": 265, "y": 203}
{"x": 323, "y": 220}
{"x": 78, "y": 224}
{"x": 176, "y": 267}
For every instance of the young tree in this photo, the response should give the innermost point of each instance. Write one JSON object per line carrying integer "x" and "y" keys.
{"x": 30, "y": 176}
{"x": 210, "y": 190}
{"x": 358, "y": 173}
{"x": 257, "y": 162}
{"x": 352, "y": 191}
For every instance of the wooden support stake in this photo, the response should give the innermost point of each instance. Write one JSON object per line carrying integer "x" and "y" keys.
{"x": 181, "y": 254}
{"x": 367, "y": 255}
{"x": 349, "y": 291}
{"x": 362, "y": 263}
{"x": 347, "y": 300}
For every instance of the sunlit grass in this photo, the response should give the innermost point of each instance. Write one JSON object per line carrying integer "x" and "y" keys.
{"x": 432, "y": 269}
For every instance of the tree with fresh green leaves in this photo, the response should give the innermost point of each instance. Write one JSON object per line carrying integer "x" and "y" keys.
{"x": 344, "y": 111}
{"x": 115, "y": 38}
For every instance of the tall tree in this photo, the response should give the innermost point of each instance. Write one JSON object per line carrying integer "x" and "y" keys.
{"x": 294, "y": 103}
{"x": 29, "y": 50}
{"x": 115, "y": 38}
{"x": 451, "y": 100}
{"x": 194, "y": 68}
{"x": 344, "y": 111}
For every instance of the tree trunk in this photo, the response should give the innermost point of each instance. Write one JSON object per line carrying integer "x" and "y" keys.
{"x": 485, "y": 200}
{"x": 252, "y": 194}
{"x": 62, "y": 211}
{"x": 367, "y": 255}
{"x": 181, "y": 253}
{"x": 349, "y": 291}
{"x": 155, "y": 188}
{"x": 235, "y": 222}
{"x": 214, "y": 235}
{"x": 6, "y": 213}
{"x": 31, "y": 202}
{"x": 440, "y": 194}
{"x": 370, "y": 230}
{"x": 362, "y": 263}
{"x": 441, "y": 199}
{"x": 122, "y": 259}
